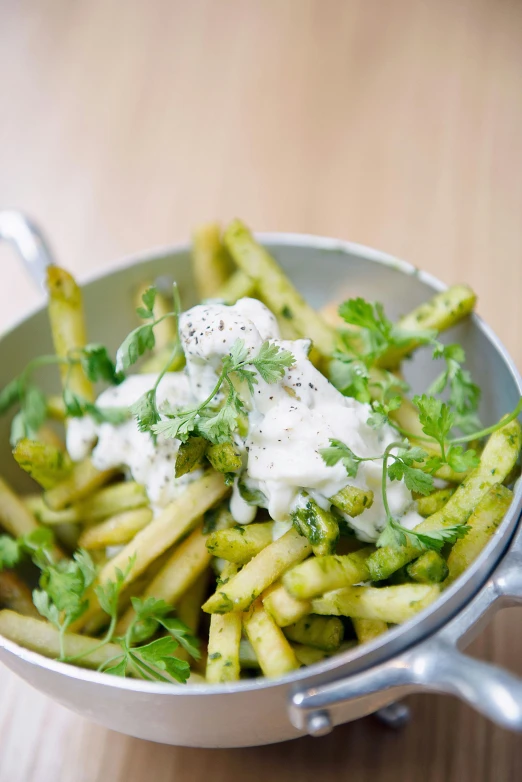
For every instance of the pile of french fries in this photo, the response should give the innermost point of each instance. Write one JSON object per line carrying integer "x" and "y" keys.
{"x": 259, "y": 605}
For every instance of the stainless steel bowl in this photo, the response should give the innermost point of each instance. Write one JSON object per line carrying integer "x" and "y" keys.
{"x": 421, "y": 655}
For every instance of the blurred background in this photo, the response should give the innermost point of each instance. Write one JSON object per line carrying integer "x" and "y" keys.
{"x": 395, "y": 124}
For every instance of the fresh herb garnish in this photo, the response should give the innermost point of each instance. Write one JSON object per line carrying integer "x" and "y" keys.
{"x": 217, "y": 425}
{"x": 399, "y": 466}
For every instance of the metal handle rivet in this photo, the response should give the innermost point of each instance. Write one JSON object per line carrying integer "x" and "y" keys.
{"x": 319, "y": 723}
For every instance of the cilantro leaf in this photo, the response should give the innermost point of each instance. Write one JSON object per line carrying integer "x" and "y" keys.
{"x": 146, "y": 412}
{"x": 460, "y": 460}
{"x": 464, "y": 393}
{"x": 64, "y": 585}
{"x": 179, "y": 426}
{"x": 160, "y": 655}
{"x": 46, "y": 607}
{"x": 379, "y": 333}
{"x": 9, "y": 552}
{"x": 415, "y": 479}
{"x": 148, "y": 298}
{"x": 9, "y": 395}
{"x": 238, "y": 353}
{"x": 395, "y": 535}
{"x": 98, "y": 365}
{"x": 218, "y": 428}
{"x": 339, "y": 452}
{"x": 135, "y": 345}
{"x": 108, "y": 594}
{"x": 119, "y": 669}
{"x": 435, "y": 417}
{"x": 350, "y": 377}
{"x": 77, "y": 406}
{"x": 182, "y": 634}
{"x": 272, "y": 361}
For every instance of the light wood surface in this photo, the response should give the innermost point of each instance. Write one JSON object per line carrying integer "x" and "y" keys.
{"x": 394, "y": 124}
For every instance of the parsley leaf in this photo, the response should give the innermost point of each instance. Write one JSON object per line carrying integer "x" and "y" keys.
{"x": 395, "y": 536}
{"x": 148, "y": 298}
{"x": 77, "y": 407}
{"x": 350, "y": 376}
{"x": 145, "y": 411}
{"x": 134, "y": 346}
{"x": 435, "y": 417}
{"x": 9, "y": 552}
{"x": 160, "y": 655}
{"x": 464, "y": 393}
{"x": 98, "y": 365}
{"x": 9, "y": 395}
{"x": 379, "y": 333}
{"x": 63, "y": 587}
{"x": 217, "y": 426}
{"x": 339, "y": 452}
{"x": 272, "y": 362}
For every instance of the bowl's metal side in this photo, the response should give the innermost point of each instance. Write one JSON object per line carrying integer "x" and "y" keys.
{"x": 259, "y": 707}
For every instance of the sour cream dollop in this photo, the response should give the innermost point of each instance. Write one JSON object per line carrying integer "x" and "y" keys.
{"x": 289, "y": 422}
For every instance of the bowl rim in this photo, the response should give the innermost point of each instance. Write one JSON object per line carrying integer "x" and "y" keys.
{"x": 396, "y": 640}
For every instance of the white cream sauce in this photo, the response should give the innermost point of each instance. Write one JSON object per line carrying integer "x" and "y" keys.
{"x": 289, "y": 421}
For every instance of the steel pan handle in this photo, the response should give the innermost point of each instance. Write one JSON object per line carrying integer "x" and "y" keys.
{"x": 27, "y": 239}
{"x": 435, "y": 665}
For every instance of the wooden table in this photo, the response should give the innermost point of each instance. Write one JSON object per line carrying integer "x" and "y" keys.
{"x": 398, "y": 125}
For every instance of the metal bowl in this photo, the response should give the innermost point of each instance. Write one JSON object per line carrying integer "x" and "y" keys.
{"x": 421, "y": 655}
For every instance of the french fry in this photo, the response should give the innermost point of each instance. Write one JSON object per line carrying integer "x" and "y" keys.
{"x": 68, "y": 328}
{"x": 240, "y": 544}
{"x": 282, "y": 607}
{"x": 318, "y": 525}
{"x": 190, "y": 455}
{"x": 429, "y": 568}
{"x": 395, "y": 604}
{"x": 116, "y": 530}
{"x": 223, "y": 643}
{"x": 275, "y": 288}
{"x": 127, "y": 495}
{"x": 83, "y": 480}
{"x": 16, "y": 518}
{"x": 42, "y": 637}
{"x": 41, "y": 511}
{"x": 434, "y": 502}
{"x": 497, "y": 460}
{"x": 441, "y": 312}
{"x": 483, "y": 523}
{"x": 211, "y": 261}
{"x": 224, "y": 457}
{"x": 318, "y": 575}
{"x": 46, "y": 464}
{"x": 56, "y": 407}
{"x": 236, "y": 287}
{"x": 15, "y": 594}
{"x": 275, "y": 655}
{"x": 320, "y": 632}
{"x": 259, "y": 573}
{"x": 181, "y": 570}
{"x": 352, "y": 500}
{"x": 174, "y": 521}
{"x": 48, "y": 436}
{"x": 368, "y": 629}
{"x": 247, "y": 656}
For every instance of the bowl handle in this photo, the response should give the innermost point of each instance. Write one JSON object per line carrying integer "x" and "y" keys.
{"x": 17, "y": 229}
{"x": 435, "y": 665}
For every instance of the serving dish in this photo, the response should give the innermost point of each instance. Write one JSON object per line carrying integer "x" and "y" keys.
{"x": 421, "y": 655}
